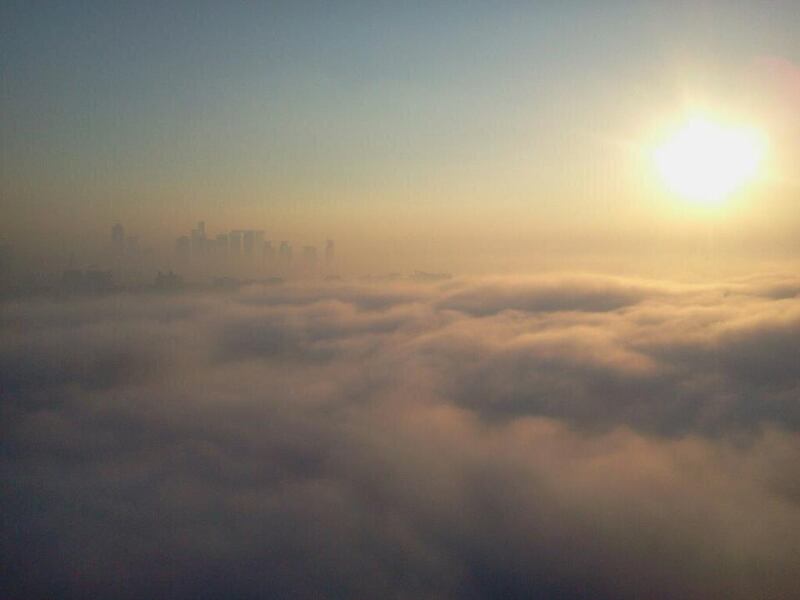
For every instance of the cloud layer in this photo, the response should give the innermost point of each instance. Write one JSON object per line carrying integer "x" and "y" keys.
{"x": 562, "y": 437}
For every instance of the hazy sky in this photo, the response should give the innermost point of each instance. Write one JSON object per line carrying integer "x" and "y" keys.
{"x": 449, "y": 126}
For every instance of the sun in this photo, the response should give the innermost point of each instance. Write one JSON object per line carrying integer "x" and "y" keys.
{"x": 705, "y": 161}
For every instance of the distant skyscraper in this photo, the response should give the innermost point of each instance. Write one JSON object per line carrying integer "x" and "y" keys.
{"x": 329, "y": 252}
{"x": 222, "y": 244}
{"x": 285, "y": 252}
{"x": 252, "y": 241}
{"x": 118, "y": 239}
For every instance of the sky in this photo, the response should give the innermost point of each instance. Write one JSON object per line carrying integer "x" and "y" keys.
{"x": 476, "y": 134}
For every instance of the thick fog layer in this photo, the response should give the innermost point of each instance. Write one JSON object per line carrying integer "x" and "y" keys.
{"x": 564, "y": 437}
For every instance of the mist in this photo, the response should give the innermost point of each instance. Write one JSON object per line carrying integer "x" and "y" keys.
{"x": 558, "y": 436}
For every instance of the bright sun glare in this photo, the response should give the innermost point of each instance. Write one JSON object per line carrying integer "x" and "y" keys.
{"x": 706, "y": 161}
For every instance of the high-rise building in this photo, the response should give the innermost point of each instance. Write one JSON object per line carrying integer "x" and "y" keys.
{"x": 222, "y": 244}
{"x": 252, "y": 241}
{"x": 285, "y": 252}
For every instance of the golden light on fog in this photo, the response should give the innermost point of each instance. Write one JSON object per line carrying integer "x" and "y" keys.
{"x": 706, "y": 161}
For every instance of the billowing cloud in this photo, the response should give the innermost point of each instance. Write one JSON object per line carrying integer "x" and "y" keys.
{"x": 508, "y": 438}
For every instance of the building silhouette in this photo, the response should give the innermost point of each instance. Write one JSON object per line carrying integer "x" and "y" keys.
{"x": 243, "y": 252}
{"x": 252, "y": 240}
{"x": 329, "y": 252}
{"x": 285, "y": 252}
{"x": 222, "y": 244}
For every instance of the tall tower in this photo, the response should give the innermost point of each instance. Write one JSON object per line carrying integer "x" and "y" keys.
{"x": 329, "y": 252}
{"x": 222, "y": 244}
{"x": 285, "y": 252}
